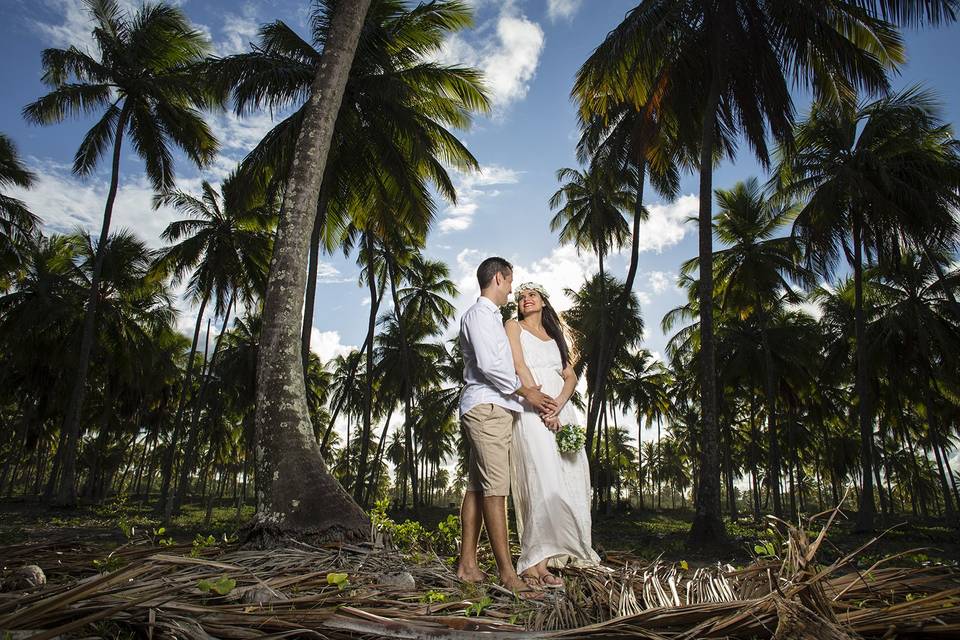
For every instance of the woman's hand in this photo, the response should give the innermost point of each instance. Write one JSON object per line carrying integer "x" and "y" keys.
{"x": 552, "y": 423}
{"x": 561, "y": 402}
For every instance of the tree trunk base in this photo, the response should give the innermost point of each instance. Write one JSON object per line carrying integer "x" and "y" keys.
{"x": 260, "y": 534}
{"x": 707, "y": 532}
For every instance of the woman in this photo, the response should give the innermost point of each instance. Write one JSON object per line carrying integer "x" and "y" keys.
{"x": 551, "y": 490}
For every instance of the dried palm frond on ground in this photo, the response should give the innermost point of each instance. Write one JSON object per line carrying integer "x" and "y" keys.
{"x": 370, "y": 591}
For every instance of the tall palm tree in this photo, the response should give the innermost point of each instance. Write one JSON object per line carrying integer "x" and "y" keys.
{"x": 296, "y": 495}
{"x": 916, "y": 325}
{"x": 865, "y": 170}
{"x": 586, "y": 314}
{"x": 731, "y": 64}
{"x": 754, "y": 277}
{"x": 591, "y": 205}
{"x": 397, "y": 116}
{"x": 144, "y": 81}
{"x": 17, "y": 223}
{"x": 222, "y": 251}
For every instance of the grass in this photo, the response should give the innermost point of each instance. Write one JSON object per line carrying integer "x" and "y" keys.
{"x": 643, "y": 534}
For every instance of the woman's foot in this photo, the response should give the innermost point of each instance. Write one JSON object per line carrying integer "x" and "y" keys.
{"x": 542, "y": 580}
{"x": 525, "y": 587}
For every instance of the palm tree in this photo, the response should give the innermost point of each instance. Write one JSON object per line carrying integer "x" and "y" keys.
{"x": 587, "y": 313}
{"x": 643, "y": 382}
{"x": 296, "y": 495}
{"x": 865, "y": 171}
{"x": 17, "y": 223}
{"x": 148, "y": 91}
{"x": 426, "y": 297}
{"x": 917, "y": 329}
{"x": 731, "y": 64}
{"x": 222, "y": 250}
{"x": 397, "y": 115}
{"x": 591, "y": 205}
{"x": 754, "y": 275}
{"x": 134, "y": 308}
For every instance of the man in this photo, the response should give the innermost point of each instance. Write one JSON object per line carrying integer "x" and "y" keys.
{"x": 487, "y": 406}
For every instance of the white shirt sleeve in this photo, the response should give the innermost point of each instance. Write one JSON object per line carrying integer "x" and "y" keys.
{"x": 494, "y": 357}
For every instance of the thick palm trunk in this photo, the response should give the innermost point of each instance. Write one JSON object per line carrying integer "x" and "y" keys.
{"x": 358, "y": 486}
{"x": 707, "y": 525}
{"x": 170, "y": 455}
{"x": 190, "y": 454}
{"x": 866, "y": 508}
{"x": 67, "y": 492}
{"x": 407, "y": 385}
{"x": 296, "y": 495}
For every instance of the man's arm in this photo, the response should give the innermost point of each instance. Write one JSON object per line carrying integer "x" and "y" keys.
{"x": 494, "y": 358}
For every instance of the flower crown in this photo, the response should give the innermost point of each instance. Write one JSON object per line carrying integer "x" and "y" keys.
{"x": 533, "y": 286}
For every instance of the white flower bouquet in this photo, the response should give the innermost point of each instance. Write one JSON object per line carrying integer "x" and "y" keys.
{"x": 571, "y": 438}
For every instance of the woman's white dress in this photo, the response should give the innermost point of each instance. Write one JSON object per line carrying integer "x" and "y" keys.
{"x": 551, "y": 490}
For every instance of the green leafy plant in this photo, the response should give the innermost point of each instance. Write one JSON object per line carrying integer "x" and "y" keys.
{"x": 109, "y": 564}
{"x": 339, "y": 579}
{"x": 200, "y": 543}
{"x": 478, "y": 607}
{"x": 432, "y": 596}
{"x": 221, "y": 586}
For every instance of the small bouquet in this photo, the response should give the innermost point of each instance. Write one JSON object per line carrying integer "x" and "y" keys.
{"x": 570, "y": 438}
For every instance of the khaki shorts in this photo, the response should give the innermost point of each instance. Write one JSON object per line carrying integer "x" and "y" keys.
{"x": 489, "y": 429}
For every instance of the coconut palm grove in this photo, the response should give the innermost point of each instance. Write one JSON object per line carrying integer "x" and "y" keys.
{"x": 185, "y": 454}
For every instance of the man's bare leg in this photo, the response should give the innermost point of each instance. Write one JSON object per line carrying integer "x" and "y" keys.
{"x": 495, "y": 519}
{"x": 471, "y": 514}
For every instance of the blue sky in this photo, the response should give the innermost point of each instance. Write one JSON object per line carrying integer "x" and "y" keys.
{"x": 530, "y": 50}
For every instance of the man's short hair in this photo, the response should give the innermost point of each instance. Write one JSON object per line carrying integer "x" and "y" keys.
{"x": 491, "y": 267}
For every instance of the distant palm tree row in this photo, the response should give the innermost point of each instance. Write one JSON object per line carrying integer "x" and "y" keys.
{"x": 817, "y": 351}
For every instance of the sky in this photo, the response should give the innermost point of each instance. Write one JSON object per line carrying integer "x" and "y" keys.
{"x": 529, "y": 50}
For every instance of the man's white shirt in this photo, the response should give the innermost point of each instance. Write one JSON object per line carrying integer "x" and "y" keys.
{"x": 488, "y": 369}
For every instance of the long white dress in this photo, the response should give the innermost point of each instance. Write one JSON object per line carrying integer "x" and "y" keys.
{"x": 551, "y": 490}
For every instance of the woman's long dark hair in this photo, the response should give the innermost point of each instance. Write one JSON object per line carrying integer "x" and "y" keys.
{"x": 553, "y": 325}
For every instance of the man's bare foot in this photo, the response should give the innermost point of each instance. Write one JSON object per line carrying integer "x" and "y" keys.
{"x": 472, "y": 574}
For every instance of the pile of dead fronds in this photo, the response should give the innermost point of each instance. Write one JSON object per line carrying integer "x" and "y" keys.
{"x": 371, "y": 591}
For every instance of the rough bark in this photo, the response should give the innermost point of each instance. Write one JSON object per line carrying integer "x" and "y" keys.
{"x": 707, "y": 525}
{"x": 67, "y": 491}
{"x": 296, "y": 496}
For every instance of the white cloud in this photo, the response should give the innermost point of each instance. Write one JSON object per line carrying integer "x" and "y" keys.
{"x": 508, "y": 56}
{"x": 667, "y": 223}
{"x": 566, "y": 9}
{"x": 471, "y": 187}
{"x": 327, "y": 344}
{"x": 65, "y": 202}
{"x": 76, "y": 24}
{"x": 239, "y": 30}
{"x": 660, "y": 281}
{"x": 241, "y": 134}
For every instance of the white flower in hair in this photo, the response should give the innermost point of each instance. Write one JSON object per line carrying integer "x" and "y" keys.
{"x": 533, "y": 286}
